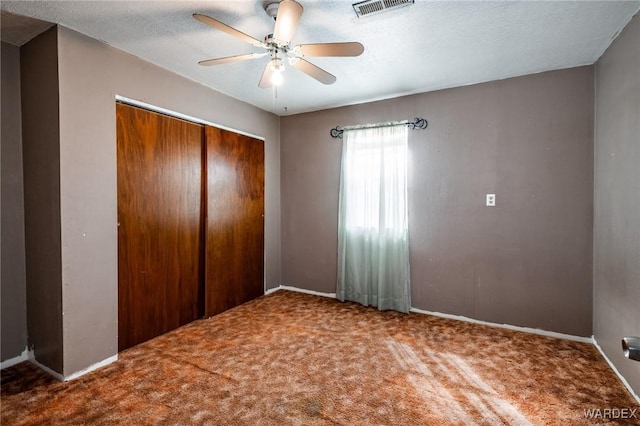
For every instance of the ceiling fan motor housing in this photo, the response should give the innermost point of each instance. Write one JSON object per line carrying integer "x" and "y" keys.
{"x": 274, "y": 46}
{"x": 272, "y": 9}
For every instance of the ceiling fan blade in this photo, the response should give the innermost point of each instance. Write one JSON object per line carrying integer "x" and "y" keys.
{"x": 227, "y": 29}
{"x": 265, "y": 80}
{"x": 289, "y": 13}
{"x": 313, "y": 71}
{"x": 229, "y": 59}
{"x": 332, "y": 49}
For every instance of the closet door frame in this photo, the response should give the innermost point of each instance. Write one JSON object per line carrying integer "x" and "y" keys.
{"x": 206, "y": 304}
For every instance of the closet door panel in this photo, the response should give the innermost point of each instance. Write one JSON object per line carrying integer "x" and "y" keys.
{"x": 234, "y": 219}
{"x": 160, "y": 222}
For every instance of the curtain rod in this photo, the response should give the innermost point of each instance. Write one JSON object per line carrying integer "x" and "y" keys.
{"x": 417, "y": 123}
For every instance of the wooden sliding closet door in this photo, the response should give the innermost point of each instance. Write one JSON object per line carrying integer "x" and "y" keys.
{"x": 234, "y": 219}
{"x": 159, "y": 213}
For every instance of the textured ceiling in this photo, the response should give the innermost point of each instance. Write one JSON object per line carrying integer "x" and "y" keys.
{"x": 18, "y": 30}
{"x": 427, "y": 46}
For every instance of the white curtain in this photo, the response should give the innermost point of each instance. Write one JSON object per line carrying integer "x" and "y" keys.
{"x": 373, "y": 242}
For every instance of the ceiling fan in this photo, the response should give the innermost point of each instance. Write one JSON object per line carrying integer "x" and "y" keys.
{"x": 286, "y": 13}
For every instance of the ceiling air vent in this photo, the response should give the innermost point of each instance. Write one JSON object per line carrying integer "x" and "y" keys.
{"x": 369, "y": 7}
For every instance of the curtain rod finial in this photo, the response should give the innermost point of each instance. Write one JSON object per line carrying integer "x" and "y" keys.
{"x": 336, "y": 132}
{"x": 418, "y": 123}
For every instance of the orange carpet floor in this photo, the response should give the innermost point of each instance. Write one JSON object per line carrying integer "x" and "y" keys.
{"x": 296, "y": 359}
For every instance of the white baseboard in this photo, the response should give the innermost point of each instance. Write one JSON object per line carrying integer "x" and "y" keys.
{"x": 273, "y": 290}
{"x": 301, "y": 290}
{"x": 455, "y": 317}
{"x": 24, "y": 356}
{"x": 613, "y": 367}
{"x": 91, "y": 368}
{"x": 507, "y": 326}
{"x": 28, "y": 355}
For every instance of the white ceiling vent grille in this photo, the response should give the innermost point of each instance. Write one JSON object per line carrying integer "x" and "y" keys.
{"x": 369, "y": 7}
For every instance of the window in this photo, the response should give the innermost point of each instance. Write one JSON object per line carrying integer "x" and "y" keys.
{"x": 374, "y": 174}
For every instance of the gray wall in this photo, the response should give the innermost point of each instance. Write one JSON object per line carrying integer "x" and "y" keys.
{"x": 12, "y": 281}
{"x": 41, "y": 150}
{"x": 91, "y": 75}
{"x": 617, "y": 199}
{"x": 529, "y": 140}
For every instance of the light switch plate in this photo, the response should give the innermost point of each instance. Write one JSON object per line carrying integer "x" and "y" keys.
{"x": 491, "y": 200}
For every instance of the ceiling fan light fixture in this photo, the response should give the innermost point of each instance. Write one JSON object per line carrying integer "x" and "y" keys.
{"x": 276, "y": 78}
{"x": 277, "y": 67}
